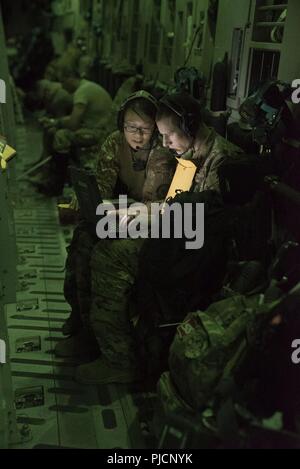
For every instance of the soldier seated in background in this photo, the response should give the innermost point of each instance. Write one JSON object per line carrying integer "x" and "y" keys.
{"x": 114, "y": 262}
{"x": 51, "y": 71}
{"x": 134, "y": 156}
{"x": 88, "y": 124}
{"x": 53, "y": 98}
{"x": 70, "y": 57}
{"x": 56, "y": 102}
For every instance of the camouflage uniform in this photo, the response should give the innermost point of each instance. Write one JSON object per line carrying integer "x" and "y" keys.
{"x": 87, "y": 142}
{"x": 113, "y": 271}
{"x": 111, "y": 164}
{"x": 115, "y": 160}
{"x": 208, "y": 156}
{"x": 59, "y": 144}
{"x": 114, "y": 264}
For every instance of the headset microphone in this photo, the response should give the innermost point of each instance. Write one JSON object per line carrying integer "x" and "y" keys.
{"x": 139, "y": 164}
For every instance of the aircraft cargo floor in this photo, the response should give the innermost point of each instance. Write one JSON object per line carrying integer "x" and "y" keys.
{"x": 52, "y": 409}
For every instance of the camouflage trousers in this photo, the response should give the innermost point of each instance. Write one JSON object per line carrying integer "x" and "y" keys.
{"x": 113, "y": 271}
{"x": 82, "y": 146}
{"x": 63, "y": 139}
{"x": 77, "y": 285}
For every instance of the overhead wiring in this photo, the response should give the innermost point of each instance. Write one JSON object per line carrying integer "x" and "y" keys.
{"x": 198, "y": 30}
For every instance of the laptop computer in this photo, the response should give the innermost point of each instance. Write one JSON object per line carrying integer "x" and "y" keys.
{"x": 87, "y": 192}
{"x": 89, "y": 195}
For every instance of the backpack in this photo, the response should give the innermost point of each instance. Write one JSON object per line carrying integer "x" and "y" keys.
{"x": 231, "y": 368}
{"x": 209, "y": 345}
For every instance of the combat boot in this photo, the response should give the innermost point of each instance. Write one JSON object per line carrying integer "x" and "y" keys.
{"x": 41, "y": 176}
{"x": 80, "y": 347}
{"x": 101, "y": 372}
{"x": 73, "y": 325}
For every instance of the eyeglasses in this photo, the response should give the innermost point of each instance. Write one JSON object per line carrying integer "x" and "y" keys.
{"x": 133, "y": 130}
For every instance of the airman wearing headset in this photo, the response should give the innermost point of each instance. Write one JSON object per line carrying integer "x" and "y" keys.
{"x": 183, "y": 131}
{"x": 134, "y": 153}
{"x": 113, "y": 270}
{"x": 134, "y": 157}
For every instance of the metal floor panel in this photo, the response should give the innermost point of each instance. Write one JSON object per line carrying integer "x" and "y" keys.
{"x": 60, "y": 411}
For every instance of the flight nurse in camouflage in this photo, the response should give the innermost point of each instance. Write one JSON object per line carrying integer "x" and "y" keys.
{"x": 114, "y": 267}
{"x": 134, "y": 157}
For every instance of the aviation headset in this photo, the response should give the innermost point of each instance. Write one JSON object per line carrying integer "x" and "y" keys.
{"x": 137, "y": 164}
{"x": 190, "y": 80}
{"x": 139, "y": 94}
{"x": 266, "y": 112}
{"x": 187, "y": 109}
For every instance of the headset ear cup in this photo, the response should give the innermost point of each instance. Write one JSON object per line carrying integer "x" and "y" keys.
{"x": 120, "y": 120}
{"x": 184, "y": 126}
{"x": 142, "y": 94}
{"x": 192, "y": 125}
{"x": 188, "y": 121}
{"x": 189, "y": 125}
{"x": 155, "y": 136}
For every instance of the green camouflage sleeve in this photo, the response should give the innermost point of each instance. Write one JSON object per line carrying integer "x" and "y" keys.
{"x": 207, "y": 178}
{"x": 211, "y": 181}
{"x": 107, "y": 166}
